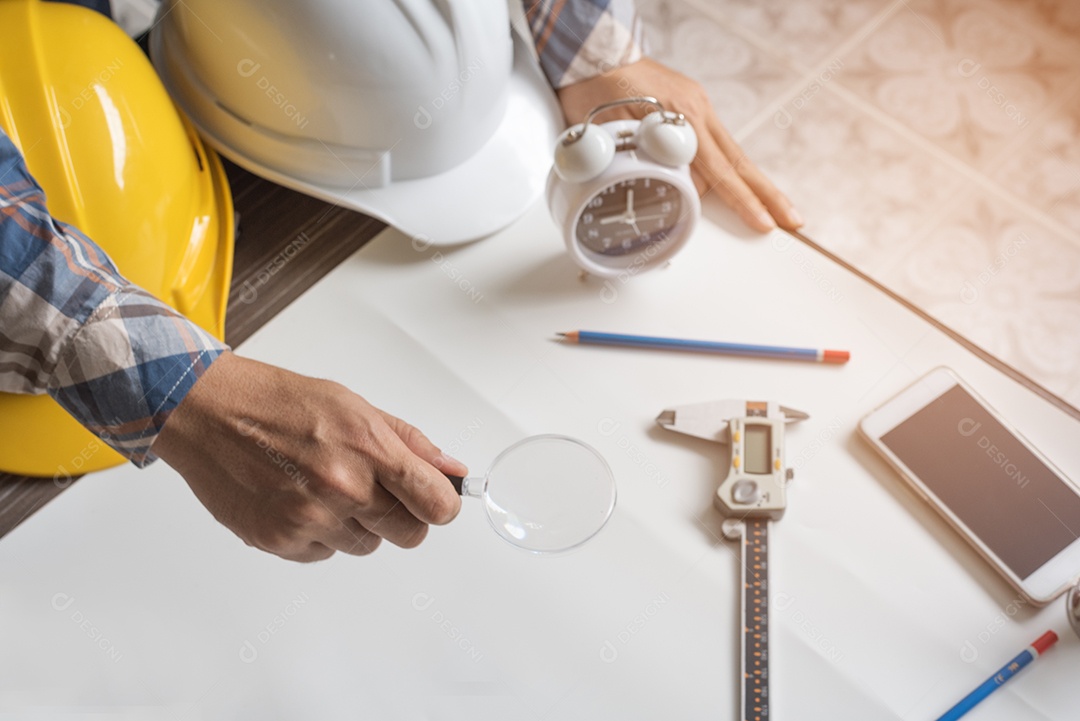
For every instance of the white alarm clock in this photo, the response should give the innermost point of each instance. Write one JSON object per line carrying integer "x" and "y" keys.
{"x": 621, "y": 192}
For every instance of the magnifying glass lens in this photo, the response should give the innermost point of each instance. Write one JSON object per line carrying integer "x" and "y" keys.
{"x": 549, "y": 493}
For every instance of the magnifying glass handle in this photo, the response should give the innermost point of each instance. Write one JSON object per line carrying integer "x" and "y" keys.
{"x": 457, "y": 482}
{"x": 467, "y": 485}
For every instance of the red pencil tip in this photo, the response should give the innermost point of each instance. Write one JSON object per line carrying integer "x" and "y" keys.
{"x": 836, "y": 356}
{"x": 1044, "y": 642}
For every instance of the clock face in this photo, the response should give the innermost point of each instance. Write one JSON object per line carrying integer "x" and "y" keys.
{"x": 628, "y": 216}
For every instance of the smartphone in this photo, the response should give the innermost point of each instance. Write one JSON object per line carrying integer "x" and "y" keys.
{"x": 1019, "y": 511}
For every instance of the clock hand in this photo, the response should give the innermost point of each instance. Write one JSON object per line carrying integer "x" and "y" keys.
{"x": 649, "y": 217}
{"x": 614, "y": 219}
{"x": 630, "y": 202}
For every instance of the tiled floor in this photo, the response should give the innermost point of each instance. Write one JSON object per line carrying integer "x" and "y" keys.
{"x": 934, "y": 144}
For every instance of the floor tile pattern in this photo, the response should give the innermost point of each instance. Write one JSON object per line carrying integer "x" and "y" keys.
{"x": 933, "y": 144}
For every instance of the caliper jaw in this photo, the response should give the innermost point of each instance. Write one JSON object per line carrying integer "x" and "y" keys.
{"x": 755, "y": 485}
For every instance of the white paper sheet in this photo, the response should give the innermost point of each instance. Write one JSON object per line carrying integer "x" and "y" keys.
{"x": 125, "y": 599}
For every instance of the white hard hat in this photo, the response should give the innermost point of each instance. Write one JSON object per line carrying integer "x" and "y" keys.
{"x": 431, "y": 115}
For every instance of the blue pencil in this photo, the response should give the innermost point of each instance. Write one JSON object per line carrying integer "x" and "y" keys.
{"x": 705, "y": 346}
{"x": 992, "y": 684}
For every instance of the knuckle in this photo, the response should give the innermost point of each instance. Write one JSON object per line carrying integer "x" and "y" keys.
{"x": 302, "y": 515}
{"x": 363, "y": 498}
{"x": 411, "y": 435}
{"x": 699, "y": 98}
{"x": 337, "y": 481}
{"x": 274, "y": 539}
{"x": 365, "y": 425}
{"x": 741, "y": 162}
{"x": 359, "y": 493}
{"x": 693, "y": 100}
{"x": 440, "y": 507}
{"x": 333, "y": 479}
{"x": 724, "y": 170}
{"x": 414, "y": 535}
{"x": 366, "y": 545}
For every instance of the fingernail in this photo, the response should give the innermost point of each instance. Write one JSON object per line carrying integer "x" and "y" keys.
{"x": 765, "y": 219}
{"x": 794, "y": 218}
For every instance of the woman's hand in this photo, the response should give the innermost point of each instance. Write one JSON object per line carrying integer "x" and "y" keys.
{"x": 720, "y": 167}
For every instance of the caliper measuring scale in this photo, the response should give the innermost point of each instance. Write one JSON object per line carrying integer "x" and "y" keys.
{"x": 751, "y": 496}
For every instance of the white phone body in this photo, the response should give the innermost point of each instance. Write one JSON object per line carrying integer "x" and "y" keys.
{"x": 1008, "y": 500}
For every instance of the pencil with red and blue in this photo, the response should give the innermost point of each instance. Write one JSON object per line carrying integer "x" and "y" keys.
{"x": 995, "y": 682}
{"x": 587, "y": 337}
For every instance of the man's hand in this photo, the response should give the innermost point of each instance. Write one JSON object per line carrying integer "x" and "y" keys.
{"x": 302, "y": 467}
{"x": 720, "y": 165}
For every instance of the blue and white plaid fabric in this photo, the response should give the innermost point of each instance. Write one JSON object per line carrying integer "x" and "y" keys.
{"x": 112, "y": 355}
{"x": 580, "y": 39}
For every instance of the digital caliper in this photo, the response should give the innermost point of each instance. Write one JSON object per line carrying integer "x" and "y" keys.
{"x": 753, "y": 493}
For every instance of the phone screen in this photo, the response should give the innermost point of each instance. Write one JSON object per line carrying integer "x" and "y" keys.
{"x": 1017, "y": 506}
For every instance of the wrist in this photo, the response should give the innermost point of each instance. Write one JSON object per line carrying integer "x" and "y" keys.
{"x": 203, "y": 410}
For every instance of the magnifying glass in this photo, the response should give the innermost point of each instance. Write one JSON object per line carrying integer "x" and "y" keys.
{"x": 545, "y": 494}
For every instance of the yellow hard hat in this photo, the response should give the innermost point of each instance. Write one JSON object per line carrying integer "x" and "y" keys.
{"x": 119, "y": 162}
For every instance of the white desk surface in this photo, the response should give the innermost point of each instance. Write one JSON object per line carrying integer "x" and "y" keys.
{"x": 125, "y": 599}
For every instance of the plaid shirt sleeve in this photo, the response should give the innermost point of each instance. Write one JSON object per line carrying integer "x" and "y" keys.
{"x": 580, "y": 39}
{"x": 112, "y": 355}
